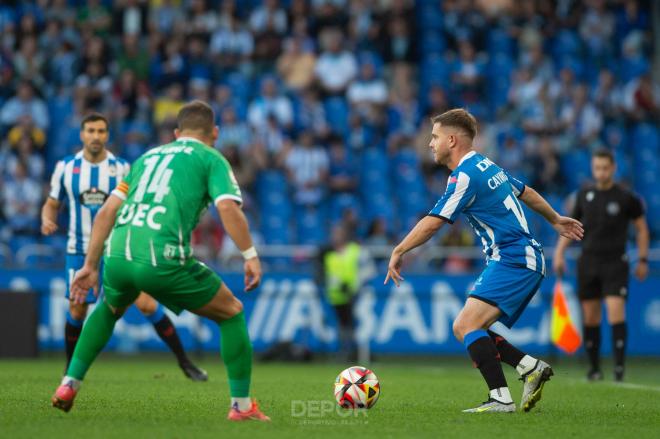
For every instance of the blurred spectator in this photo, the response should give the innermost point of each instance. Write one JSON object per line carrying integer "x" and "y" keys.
{"x": 133, "y": 57}
{"x": 607, "y": 95}
{"x": 307, "y": 167}
{"x": 201, "y": 21}
{"x": 270, "y": 102}
{"x": 311, "y": 115}
{"x": 207, "y": 238}
{"x": 398, "y": 42}
{"x": 24, "y": 152}
{"x": 269, "y": 136}
{"x": 457, "y": 236}
{"x": 368, "y": 90}
{"x": 343, "y": 173}
{"x": 21, "y": 195}
{"x": 296, "y": 65}
{"x": 597, "y": 28}
{"x": 268, "y": 16}
{"x": 336, "y": 67}
{"x": 469, "y": 74}
{"x": 97, "y": 85}
{"x": 128, "y": 102}
{"x": 25, "y": 103}
{"x": 166, "y": 17}
{"x": 233, "y": 132}
{"x": 167, "y": 107}
{"x": 242, "y": 166}
{"x": 232, "y": 45}
{"x": 95, "y": 17}
{"x": 130, "y": 17}
{"x": 29, "y": 62}
{"x": 641, "y": 99}
{"x": 377, "y": 233}
{"x": 545, "y": 174}
{"x": 581, "y": 119}
{"x": 169, "y": 66}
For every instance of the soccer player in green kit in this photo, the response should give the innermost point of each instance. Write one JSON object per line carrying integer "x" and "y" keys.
{"x": 147, "y": 222}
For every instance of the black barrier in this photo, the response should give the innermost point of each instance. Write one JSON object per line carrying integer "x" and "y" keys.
{"x": 18, "y": 324}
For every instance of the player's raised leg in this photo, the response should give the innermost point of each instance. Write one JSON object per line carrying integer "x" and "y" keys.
{"x": 155, "y": 313}
{"x": 95, "y": 335}
{"x": 469, "y": 329}
{"x": 534, "y": 373}
{"x": 236, "y": 350}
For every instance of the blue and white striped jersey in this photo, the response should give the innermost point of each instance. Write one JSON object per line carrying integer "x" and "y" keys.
{"x": 488, "y": 196}
{"x": 85, "y": 186}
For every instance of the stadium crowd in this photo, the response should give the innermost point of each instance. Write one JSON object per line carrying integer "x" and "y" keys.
{"x": 324, "y": 105}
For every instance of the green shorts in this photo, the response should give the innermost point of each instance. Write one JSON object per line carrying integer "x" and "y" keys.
{"x": 178, "y": 287}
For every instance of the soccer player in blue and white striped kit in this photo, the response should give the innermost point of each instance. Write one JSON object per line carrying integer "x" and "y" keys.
{"x": 488, "y": 196}
{"x": 84, "y": 181}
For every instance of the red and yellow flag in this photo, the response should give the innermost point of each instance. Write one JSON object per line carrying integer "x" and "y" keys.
{"x": 563, "y": 332}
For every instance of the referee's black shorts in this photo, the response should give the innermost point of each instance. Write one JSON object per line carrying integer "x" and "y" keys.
{"x": 599, "y": 277}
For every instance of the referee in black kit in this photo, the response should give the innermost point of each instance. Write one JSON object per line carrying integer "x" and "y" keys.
{"x": 605, "y": 208}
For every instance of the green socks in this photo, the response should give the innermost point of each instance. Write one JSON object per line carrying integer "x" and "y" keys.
{"x": 95, "y": 335}
{"x": 236, "y": 350}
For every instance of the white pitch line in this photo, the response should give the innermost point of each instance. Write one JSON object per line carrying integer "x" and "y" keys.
{"x": 630, "y": 386}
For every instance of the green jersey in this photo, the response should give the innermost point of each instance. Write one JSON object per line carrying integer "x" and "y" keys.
{"x": 165, "y": 193}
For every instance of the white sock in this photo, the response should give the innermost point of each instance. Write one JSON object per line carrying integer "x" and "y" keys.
{"x": 502, "y": 395}
{"x": 527, "y": 364}
{"x": 67, "y": 380}
{"x": 242, "y": 404}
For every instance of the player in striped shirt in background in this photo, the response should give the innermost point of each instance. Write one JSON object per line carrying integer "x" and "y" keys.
{"x": 84, "y": 181}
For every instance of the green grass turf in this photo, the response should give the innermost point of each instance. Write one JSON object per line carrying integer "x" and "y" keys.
{"x": 149, "y": 397}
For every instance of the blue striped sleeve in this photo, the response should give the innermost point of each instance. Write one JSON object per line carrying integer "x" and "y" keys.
{"x": 517, "y": 186}
{"x": 57, "y": 191}
{"x": 459, "y": 195}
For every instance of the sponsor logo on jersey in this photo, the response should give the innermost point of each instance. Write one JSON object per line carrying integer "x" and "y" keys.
{"x": 590, "y": 196}
{"x": 93, "y": 197}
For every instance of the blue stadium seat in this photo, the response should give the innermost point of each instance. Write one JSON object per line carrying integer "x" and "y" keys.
{"x": 500, "y": 42}
{"x": 311, "y": 227}
{"x": 336, "y": 111}
{"x": 567, "y": 42}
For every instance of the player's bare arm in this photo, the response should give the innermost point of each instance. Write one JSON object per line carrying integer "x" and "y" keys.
{"x": 49, "y": 216}
{"x": 87, "y": 277}
{"x": 558, "y": 261}
{"x": 422, "y": 232}
{"x": 236, "y": 225}
{"x": 565, "y": 226}
{"x": 642, "y": 236}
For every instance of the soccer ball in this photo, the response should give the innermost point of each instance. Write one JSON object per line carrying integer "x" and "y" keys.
{"x": 357, "y": 388}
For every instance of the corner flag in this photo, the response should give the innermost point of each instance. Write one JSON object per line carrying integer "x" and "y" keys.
{"x": 563, "y": 332}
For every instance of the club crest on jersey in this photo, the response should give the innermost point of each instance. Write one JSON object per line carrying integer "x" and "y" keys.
{"x": 613, "y": 208}
{"x": 112, "y": 170}
{"x": 93, "y": 197}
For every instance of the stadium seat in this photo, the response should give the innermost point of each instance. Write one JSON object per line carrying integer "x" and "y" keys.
{"x": 336, "y": 111}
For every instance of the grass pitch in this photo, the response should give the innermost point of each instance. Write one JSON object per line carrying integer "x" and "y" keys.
{"x": 148, "y": 397}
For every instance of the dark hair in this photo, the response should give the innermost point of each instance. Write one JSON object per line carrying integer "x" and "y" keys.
{"x": 459, "y": 118}
{"x": 604, "y": 154}
{"x": 196, "y": 116}
{"x": 94, "y": 117}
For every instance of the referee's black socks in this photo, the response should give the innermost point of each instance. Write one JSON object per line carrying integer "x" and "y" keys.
{"x": 592, "y": 345}
{"x": 619, "y": 335}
